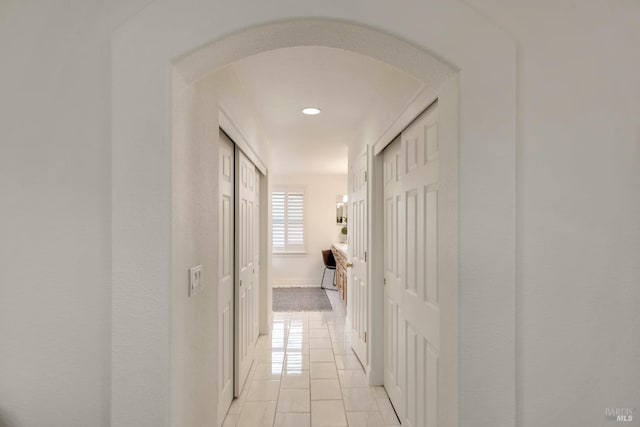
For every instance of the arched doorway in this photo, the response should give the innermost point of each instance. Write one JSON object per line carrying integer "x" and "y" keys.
{"x": 142, "y": 204}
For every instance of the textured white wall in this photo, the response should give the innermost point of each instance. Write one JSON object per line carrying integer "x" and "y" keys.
{"x": 578, "y": 207}
{"x": 320, "y": 228}
{"x": 55, "y": 269}
{"x": 194, "y": 241}
{"x": 578, "y": 233}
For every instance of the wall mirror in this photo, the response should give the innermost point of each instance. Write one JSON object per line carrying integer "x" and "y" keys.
{"x": 341, "y": 209}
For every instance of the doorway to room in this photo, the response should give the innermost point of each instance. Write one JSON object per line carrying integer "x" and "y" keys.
{"x": 306, "y": 236}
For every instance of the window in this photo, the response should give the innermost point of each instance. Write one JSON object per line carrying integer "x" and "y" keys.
{"x": 287, "y": 206}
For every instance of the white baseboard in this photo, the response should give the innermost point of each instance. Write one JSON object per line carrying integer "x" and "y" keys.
{"x": 295, "y": 283}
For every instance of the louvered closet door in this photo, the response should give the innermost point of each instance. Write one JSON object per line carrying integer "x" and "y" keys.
{"x": 246, "y": 294}
{"x": 226, "y": 274}
{"x": 412, "y": 311}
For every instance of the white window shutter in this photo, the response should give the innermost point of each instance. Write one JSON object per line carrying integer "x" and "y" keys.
{"x": 288, "y": 220}
{"x": 278, "y": 200}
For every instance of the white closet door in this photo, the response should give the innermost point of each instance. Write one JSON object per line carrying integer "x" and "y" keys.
{"x": 358, "y": 285}
{"x": 394, "y": 339}
{"x": 412, "y": 309}
{"x": 246, "y": 322}
{"x": 255, "y": 237}
{"x": 226, "y": 273}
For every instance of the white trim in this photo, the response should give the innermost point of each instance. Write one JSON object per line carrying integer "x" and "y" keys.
{"x": 417, "y": 105}
{"x": 230, "y": 127}
{"x": 292, "y": 254}
{"x": 295, "y": 283}
{"x": 375, "y": 369}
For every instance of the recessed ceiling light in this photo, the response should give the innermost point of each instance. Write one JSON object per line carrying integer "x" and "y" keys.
{"x": 311, "y": 111}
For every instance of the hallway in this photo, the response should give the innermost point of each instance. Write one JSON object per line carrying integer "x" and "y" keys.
{"x": 305, "y": 374}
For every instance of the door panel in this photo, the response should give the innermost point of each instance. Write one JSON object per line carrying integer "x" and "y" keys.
{"x": 359, "y": 285}
{"x": 226, "y": 271}
{"x": 393, "y": 318}
{"x": 246, "y": 303}
{"x": 412, "y": 312}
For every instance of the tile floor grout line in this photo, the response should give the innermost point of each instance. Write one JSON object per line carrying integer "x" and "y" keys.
{"x": 301, "y": 324}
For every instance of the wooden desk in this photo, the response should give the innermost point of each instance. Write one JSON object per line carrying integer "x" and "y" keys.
{"x": 339, "y": 251}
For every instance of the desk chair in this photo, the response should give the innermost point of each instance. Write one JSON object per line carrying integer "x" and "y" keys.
{"x": 329, "y": 264}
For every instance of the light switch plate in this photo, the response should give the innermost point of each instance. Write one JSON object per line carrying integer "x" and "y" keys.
{"x": 195, "y": 280}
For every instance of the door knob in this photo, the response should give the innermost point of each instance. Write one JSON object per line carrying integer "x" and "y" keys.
{"x": 349, "y": 265}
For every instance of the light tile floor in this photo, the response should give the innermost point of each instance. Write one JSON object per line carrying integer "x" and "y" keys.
{"x": 305, "y": 375}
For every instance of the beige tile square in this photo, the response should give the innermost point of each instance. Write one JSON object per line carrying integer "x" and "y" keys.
{"x": 323, "y": 370}
{"x": 298, "y": 349}
{"x": 347, "y": 361}
{"x": 359, "y": 399}
{"x": 337, "y": 329}
{"x": 319, "y": 333}
{"x": 387, "y": 412}
{"x": 236, "y": 404}
{"x": 315, "y": 315}
{"x": 325, "y": 390}
{"x": 230, "y": 420}
{"x": 268, "y": 371}
{"x": 380, "y": 392}
{"x": 295, "y": 379}
{"x": 328, "y": 413}
{"x": 319, "y": 343}
{"x": 352, "y": 378}
{"x": 257, "y": 414}
{"x": 263, "y": 390}
{"x": 270, "y": 356}
{"x": 321, "y": 355}
{"x": 317, "y": 324}
{"x": 365, "y": 419}
{"x": 294, "y": 400}
{"x": 341, "y": 348}
{"x": 292, "y": 419}
{"x": 339, "y": 335}
{"x": 296, "y": 362}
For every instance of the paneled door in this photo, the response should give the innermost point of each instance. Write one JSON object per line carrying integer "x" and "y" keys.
{"x": 412, "y": 310}
{"x": 358, "y": 286}
{"x": 246, "y": 254}
{"x": 255, "y": 243}
{"x": 226, "y": 273}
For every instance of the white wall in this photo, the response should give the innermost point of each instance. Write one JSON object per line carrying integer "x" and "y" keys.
{"x": 578, "y": 210}
{"x": 55, "y": 267}
{"x": 194, "y": 241}
{"x": 320, "y": 229}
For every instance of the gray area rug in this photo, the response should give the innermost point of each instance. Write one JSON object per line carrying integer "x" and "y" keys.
{"x": 300, "y": 299}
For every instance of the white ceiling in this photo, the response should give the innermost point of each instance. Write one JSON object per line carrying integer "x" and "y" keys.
{"x": 352, "y": 90}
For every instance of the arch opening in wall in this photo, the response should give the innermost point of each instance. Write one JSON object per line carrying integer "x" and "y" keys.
{"x": 142, "y": 212}
{"x": 203, "y": 75}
